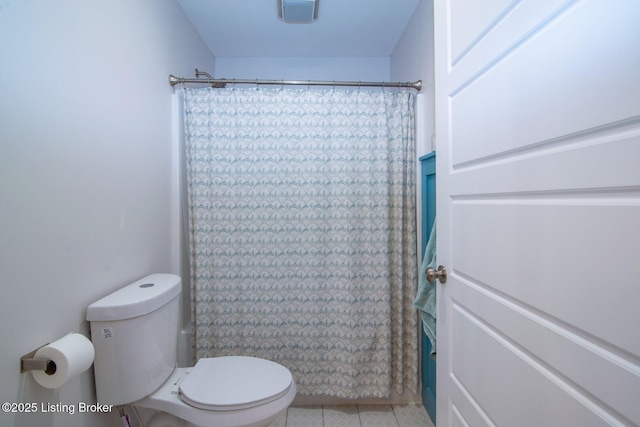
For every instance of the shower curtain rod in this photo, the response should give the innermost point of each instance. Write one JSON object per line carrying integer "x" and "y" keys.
{"x": 221, "y": 83}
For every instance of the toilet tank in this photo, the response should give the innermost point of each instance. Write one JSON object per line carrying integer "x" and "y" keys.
{"x": 135, "y": 335}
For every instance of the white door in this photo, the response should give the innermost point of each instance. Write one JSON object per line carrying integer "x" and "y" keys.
{"x": 538, "y": 141}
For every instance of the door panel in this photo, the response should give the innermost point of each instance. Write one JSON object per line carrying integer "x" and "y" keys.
{"x": 542, "y": 232}
{"x": 538, "y": 199}
{"x": 501, "y": 369}
{"x": 470, "y": 20}
{"x": 599, "y": 161}
{"x": 535, "y": 85}
{"x": 511, "y": 25}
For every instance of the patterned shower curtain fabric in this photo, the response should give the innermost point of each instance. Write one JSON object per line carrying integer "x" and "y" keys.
{"x": 302, "y": 233}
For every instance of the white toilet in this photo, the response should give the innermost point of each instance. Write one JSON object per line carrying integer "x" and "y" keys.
{"x": 135, "y": 334}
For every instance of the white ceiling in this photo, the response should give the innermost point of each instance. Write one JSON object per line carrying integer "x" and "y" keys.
{"x": 345, "y": 28}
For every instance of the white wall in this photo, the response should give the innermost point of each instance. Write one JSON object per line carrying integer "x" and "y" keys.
{"x": 86, "y": 178}
{"x": 411, "y": 60}
{"x": 308, "y": 68}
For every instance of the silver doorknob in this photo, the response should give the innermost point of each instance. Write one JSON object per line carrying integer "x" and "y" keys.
{"x": 441, "y": 274}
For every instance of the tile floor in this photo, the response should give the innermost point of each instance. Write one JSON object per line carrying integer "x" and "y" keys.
{"x": 405, "y": 415}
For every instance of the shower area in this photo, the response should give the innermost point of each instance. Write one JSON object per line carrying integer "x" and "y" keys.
{"x": 299, "y": 228}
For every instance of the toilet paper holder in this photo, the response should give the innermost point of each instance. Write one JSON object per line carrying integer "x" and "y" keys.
{"x": 30, "y": 363}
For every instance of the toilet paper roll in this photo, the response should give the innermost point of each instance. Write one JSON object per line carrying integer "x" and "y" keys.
{"x": 72, "y": 355}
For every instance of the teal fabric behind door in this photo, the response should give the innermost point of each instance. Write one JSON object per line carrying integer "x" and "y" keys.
{"x": 428, "y": 200}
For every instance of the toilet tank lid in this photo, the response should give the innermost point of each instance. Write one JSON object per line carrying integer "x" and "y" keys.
{"x": 139, "y": 298}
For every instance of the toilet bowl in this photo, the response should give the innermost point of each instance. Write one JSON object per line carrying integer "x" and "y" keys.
{"x": 225, "y": 391}
{"x": 135, "y": 335}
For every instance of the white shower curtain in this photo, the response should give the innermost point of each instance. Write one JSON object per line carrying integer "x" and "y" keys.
{"x": 302, "y": 233}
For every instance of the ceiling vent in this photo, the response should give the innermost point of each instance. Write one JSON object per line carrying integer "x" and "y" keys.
{"x": 298, "y": 11}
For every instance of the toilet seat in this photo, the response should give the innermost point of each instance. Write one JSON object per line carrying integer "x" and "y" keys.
{"x": 234, "y": 382}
